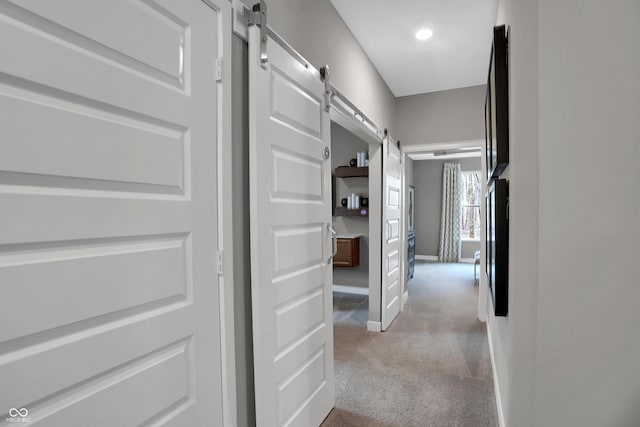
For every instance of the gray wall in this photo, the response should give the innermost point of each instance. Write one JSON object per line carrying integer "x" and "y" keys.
{"x": 588, "y": 321}
{"x": 344, "y": 146}
{"x": 427, "y": 177}
{"x": 450, "y": 115}
{"x": 241, "y": 247}
{"x": 514, "y": 338}
{"x": 567, "y": 355}
{"x": 316, "y": 30}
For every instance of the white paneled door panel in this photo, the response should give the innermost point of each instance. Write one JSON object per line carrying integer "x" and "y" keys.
{"x": 391, "y": 245}
{"x": 108, "y": 139}
{"x": 291, "y": 269}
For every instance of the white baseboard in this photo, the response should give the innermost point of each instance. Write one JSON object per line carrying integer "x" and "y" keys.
{"x": 467, "y": 260}
{"x": 351, "y": 289}
{"x": 427, "y": 257}
{"x": 496, "y": 385}
{"x": 374, "y": 326}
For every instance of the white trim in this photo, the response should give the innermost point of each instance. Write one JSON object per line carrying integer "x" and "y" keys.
{"x": 374, "y": 326}
{"x": 342, "y": 115}
{"x": 426, "y": 157}
{"x": 427, "y": 257}
{"x": 496, "y": 385}
{"x": 240, "y": 24}
{"x": 467, "y": 260}
{"x": 356, "y": 290}
{"x": 425, "y": 148}
{"x": 225, "y": 215}
{"x": 405, "y": 297}
{"x": 404, "y": 264}
{"x": 482, "y": 288}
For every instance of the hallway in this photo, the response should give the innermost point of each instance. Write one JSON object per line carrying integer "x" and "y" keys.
{"x": 431, "y": 368}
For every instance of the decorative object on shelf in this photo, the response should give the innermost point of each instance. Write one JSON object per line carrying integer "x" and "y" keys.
{"x": 354, "y": 205}
{"x": 353, "y": 201}
{"x": 353, "y": 163}
{"x": 362, "y": 159}
{"x": 496, "y": 108}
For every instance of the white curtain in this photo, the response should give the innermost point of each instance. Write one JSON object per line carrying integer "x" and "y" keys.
{"x": 449, "y": 250}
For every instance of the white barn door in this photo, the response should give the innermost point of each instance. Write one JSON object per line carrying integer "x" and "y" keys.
{"x": 391, "y": 244}
{"x": 291, "y": 241}
{"x": 108, "y": 133}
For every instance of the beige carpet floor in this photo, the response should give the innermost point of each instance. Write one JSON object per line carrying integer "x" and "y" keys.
{"x": 431, "y": 368}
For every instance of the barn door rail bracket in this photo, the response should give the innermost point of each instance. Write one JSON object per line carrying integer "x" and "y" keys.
{"x": 328, "y": 93}
{"x": 258, "y": 16}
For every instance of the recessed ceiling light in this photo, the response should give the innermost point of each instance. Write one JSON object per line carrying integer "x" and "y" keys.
{"x": 424, "y": 34}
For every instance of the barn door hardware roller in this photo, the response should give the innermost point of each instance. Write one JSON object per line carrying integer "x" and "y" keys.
{"x": 258, "y": 16}
{"x": 328, "y": 92}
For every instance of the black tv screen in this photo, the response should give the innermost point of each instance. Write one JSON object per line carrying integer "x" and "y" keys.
{"x": 497, "y": 106}
{"x": 498, "y": 245}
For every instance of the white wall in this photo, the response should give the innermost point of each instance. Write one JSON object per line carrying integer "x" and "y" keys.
{"x": 445, "y": 116}
{"x": 588, "y": 355}
{"x": 316, "y": 30}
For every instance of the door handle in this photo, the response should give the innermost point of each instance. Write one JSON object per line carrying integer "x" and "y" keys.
{"x": 334, "y": 242}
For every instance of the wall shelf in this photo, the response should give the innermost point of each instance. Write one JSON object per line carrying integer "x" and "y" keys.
{"x": 342, "y": 211}
{"x": 350, "y": 172}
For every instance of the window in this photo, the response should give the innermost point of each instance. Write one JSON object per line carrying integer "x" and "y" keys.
{"x": 471, "y": 196}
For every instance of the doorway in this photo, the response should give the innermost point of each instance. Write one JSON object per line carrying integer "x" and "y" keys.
{"x": 423, "y": 170}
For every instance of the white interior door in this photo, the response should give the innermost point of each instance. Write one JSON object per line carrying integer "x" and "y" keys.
{"x": 391, "y": 246}
{"x": 108, "y": 239}
{"x": 291, "y": 248}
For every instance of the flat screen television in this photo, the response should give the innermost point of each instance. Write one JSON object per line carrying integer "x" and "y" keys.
{"x": 497, "y": 106}
{"x": 497, "y": 241}
{"x": 488, "y": 239}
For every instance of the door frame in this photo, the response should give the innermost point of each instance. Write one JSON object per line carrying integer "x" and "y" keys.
{"x": 406, "y": 150}
{"x": 351, "y": 119}
{"x": 224, "y": 260}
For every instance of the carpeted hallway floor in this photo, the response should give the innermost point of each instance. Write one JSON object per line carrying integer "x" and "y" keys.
{"x": 431, "y": 368}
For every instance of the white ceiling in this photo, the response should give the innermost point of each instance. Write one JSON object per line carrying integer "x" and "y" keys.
{"x": 456, "y": 56}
